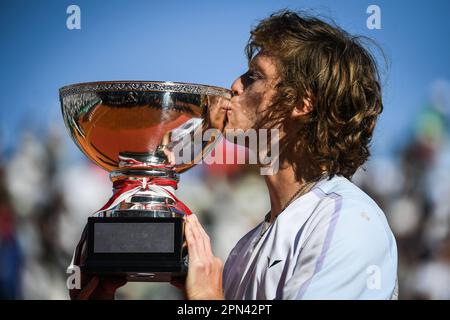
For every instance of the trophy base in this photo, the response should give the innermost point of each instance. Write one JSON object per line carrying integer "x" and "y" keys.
{"x": 140, "y": 248}
{"x": 133, "y": 276}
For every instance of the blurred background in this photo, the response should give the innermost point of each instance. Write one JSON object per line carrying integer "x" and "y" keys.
{"x": 48, "y": 188}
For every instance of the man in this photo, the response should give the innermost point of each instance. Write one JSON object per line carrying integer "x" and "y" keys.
{"x": 323, "y": 238}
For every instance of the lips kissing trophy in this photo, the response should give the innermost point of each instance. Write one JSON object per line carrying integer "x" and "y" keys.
{"x": 132, "y": 129}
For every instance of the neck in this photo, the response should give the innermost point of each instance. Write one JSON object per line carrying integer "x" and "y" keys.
{"x": 282, "y": 186}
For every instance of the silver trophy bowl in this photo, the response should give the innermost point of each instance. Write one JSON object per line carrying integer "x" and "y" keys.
{"x": 131, "y": 128}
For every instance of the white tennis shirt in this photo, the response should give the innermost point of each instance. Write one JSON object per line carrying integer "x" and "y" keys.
{"x": 331, "y": 243}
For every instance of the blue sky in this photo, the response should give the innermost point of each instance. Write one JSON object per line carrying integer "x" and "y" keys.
{"x": 197, "y": 41}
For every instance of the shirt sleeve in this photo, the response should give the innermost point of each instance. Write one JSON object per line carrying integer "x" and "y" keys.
{"x": 349, "y": 253}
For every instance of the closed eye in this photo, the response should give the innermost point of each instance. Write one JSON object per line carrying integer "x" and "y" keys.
{"x": 254, "y": 75}
{"x": 250, "y": 76}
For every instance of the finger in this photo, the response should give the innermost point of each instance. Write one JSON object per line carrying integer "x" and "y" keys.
{"x": 190, "y": 240}
{"x": 73, "y": 293}
{"x": 199, "y": 236}
{"x": 89, "y": 288}
{"x": 206, "y": 241}
{"x": 196, "y": 235}
{"x": 204, "y": 236}
{"x": 111, "y": 284}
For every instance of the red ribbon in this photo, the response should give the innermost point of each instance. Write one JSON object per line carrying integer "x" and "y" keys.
{"x": 125, "y": 185}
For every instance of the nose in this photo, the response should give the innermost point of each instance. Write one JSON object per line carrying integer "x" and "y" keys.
{"x": 237, "y": 87}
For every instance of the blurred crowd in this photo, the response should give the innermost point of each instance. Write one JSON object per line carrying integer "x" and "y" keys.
{"x": 47, "y": 193}
{"x": 413, "y": 189}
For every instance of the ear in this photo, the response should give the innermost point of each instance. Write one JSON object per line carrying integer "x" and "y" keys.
{"x": 301, "y": 110}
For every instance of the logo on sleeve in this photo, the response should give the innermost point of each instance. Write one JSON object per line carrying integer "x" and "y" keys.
{"x": 270, "y": 265}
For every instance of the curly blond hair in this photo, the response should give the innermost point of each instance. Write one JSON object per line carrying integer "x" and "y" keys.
{"x": 338, "y": 74}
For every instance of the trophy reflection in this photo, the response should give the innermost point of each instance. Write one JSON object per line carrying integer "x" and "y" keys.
{"x": 145, "y": 133}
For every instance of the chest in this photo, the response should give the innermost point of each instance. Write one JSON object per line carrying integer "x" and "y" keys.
{"x": 262, "y": 267}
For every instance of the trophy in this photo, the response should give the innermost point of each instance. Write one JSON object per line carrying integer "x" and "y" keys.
{"x": 145, "y": 134}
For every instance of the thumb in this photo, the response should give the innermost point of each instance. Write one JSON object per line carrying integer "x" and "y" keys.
{"x": 88, "y": 289}
{"x": 111, "y": 284}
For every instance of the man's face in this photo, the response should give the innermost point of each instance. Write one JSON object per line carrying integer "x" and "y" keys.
{"x": 252, "y": 93}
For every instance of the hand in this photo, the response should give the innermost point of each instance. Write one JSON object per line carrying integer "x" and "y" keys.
{"x": 204, "y": 278}
{"x": 92, "y": 287}
{"x": 98, "y": 289}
